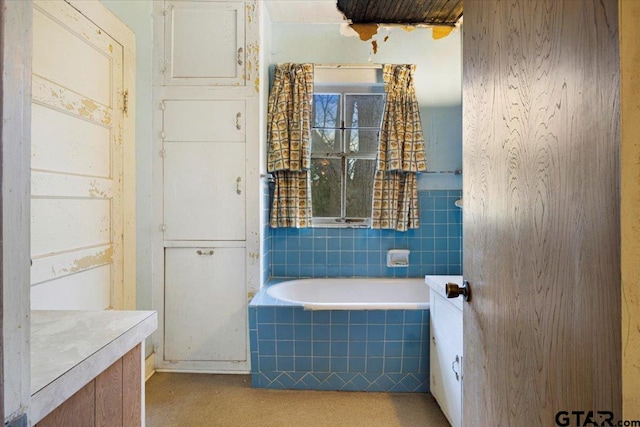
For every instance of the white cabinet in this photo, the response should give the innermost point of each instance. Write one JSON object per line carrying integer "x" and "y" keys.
{"x": 206, "y": 182}
{"x": 204, "y": 170}
{"x": 204, "y": 120}
{"x": 204, "y": 191}
{"x": 446, "y": 352}
{"x": 205, "y": 303}
{"x": 204, "y": 43}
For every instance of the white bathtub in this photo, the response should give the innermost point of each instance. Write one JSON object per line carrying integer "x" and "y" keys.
{"x": 354, "y": 293}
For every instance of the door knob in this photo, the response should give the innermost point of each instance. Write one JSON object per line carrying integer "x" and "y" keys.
{"x": 452, "y": 290}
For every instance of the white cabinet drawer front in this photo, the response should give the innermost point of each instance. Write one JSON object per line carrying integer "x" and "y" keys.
{"x": 447, "y": 321}
{"x": 204, "y": 191}
{"x": 205, "y": 304}
{"x": 204, "y": 121}
{"x": 204, "y": 43}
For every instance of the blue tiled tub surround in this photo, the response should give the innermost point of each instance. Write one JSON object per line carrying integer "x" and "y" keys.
{"x": 351, "y": 350}
{"x": 436, "y": 247}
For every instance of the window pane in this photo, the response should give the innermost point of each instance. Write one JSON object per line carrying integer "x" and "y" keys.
{"x": 325, "y": 141}
{"x": 359, "y": 187}
{"x": 364, "y": 110}
{"x": 325, "y": 187}
{"x": 362, "y": 141}
{"x": 326, "y": 110}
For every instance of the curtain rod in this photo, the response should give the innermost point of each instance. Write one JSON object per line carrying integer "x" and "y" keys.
{"x": 454, "y": 172}
{"x": 347, "y": 66}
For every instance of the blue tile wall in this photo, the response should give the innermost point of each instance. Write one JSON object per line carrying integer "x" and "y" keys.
{"x": 366, "y": 350}
{"x": 436, "y": 247}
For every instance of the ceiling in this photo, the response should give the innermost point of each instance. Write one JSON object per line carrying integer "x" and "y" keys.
{"x": 434, "y": 12}
{"x": 304, "y": 11}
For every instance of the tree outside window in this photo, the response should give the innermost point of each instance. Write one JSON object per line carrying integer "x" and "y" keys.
{"x": 346, "y": 128}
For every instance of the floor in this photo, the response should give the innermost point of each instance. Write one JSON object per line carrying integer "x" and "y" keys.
{"x": 194, "y": 400}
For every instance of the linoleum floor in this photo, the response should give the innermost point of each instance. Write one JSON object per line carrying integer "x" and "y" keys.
{"x": 204, "y": 400}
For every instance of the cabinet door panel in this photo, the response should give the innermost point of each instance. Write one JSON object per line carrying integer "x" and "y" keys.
{"x": 205, "y": 304}
{"x": 204, "y": 43}
{"x": 448, "y": 320}
{"x": 448, "y": 388}
{"x": 204, "y": 191}
{"x": 204, "y": 121}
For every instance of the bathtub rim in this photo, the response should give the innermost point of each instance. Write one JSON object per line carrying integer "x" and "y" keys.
{"x": 347, "y": 305}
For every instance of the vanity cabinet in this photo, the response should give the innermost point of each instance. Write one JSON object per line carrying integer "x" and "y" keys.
{"x": 204, "y": 43}
{"x": 87, "y": 367}
{"x": 446, "y": 351}
{"x": 112, "y": 399}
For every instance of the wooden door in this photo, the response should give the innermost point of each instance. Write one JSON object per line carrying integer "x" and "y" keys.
{"x": 76, "y": 162}
{"x": 204, "y": 43}
{"x": 541, "y": 212}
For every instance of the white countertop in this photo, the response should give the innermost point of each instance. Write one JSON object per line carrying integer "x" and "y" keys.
{"x": 70, "y": 348}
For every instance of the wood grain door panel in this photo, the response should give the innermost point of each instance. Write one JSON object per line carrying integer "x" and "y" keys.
{"x": 541, "y": 210}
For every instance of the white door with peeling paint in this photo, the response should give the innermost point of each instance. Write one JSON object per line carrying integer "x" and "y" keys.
{"x": 76, "y": 162}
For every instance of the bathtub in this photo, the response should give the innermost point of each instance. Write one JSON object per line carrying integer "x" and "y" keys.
{"x": 354, "y": 294}
{"x": 341, "y": 334}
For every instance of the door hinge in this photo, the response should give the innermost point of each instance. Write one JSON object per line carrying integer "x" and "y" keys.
{"x": 162, "y": 105}
{"x": 163, "y": 153}
{"x": 125, "y": 102}
{"x": 163, "y": 227}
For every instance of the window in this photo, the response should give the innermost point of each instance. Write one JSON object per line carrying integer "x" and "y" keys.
{"x": 345, "y": 132}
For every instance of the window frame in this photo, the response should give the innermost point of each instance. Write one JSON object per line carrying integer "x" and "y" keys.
{"x": 344, "y": 155}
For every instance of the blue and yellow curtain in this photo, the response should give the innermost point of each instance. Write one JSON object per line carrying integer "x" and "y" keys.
{"x": 289, "y": 138}
{"x": 401, "y": 153}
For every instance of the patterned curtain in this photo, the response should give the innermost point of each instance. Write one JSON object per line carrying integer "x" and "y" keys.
{"x": 401, "y": 153}
{"x": 289, "y": 139}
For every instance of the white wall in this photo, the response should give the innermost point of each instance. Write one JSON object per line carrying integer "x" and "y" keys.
{"x": 137, "y": 15}
{"x": 438, "y": 79}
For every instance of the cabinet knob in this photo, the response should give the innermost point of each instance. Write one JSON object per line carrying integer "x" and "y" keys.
{"x": 452, "y": 290}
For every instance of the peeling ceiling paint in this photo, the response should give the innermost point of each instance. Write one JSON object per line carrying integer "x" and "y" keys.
{"x": 432, "y": 12}
{"x": 365, "y": 31}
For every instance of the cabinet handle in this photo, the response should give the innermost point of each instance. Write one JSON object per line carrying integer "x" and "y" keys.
{"x": 453, "y": 367}
{"x": 204, "y": 252}
{"x": 240, "y": 56}
{"x": 238, "y": 117}
{"x": 238, "y": 189}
